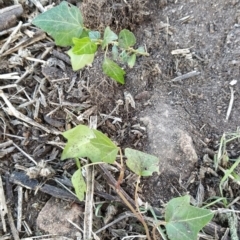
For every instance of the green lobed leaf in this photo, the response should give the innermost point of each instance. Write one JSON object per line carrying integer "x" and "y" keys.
{"x": 108, "y": 150}
{"x": 85, "y": 33}
{"x": 112, "y": 70}
{"x": 183, "y": 220}
{"x": 141, "y": 50}
{"x": 126, "y": 39}
{"x": 108, "y": 37}
{"x": 94, "y": 35}
{"x": 83, "y": 46}
{"x": 115, "y": 52}
{"x": 80, "y": 61}
{"x": 79, "y": 144}
{"x": 62, "y": 22}
{"x": 142, "y": 164}
{"x": 124, "y": 56}
{"x": 79, "y": 184}
{"x": 132, "y": 60}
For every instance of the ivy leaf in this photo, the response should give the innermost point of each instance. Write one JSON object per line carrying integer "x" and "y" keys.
{"x": 108, "y": 150}
{"x": 112, "y": 70}
{"x": 108, "y": 37}
{"x": 124, "y": 56}
{"x": 142, "y": 164}
{"x": 85, "y": 33}
{"x": 79, "y": 184}
{"x": 80, "y": 61}
{"x": 126, "y": 39}
{"x": 62, "y": 22}
{"x": 141, "y": 50}
{"x": 131, "y": 60}
{"x": 94, "y": 35}
{"x": 79, "y": 144}
{"x": 83, "y": 46}
{"x": 183, "y": 220}
{"x": 115, "y": 52}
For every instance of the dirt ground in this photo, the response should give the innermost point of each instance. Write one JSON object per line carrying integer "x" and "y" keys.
{"x": 182, "y": 100}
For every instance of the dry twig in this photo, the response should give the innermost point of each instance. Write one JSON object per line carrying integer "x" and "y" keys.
{"x": 185, "y": 76}
{"x": 19, "y": 208}
{"x": 12, "y": 226}
{"x": 5, "y": 45}
{"x": 13, "y": 112}
{"x": 3, "y": 206}
{"x": 230, "y": 104}
{"x": 88, "y": 216}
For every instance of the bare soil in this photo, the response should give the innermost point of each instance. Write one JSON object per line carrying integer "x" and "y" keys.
{"x": 193, "y": 109}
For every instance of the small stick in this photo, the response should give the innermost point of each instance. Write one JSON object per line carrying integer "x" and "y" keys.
{"x": 38, "y": 36}
{"x": 9, "y": 85}
{"x": 26, "y": 104}
{"x": 38, "y": 5}
{"x": 6, "y": 144}
{"x": 30, "y": 69}
{"x": 24, "y": 153}
{"x": 119, "y": 103}
{"x": 19, "y": 208}
{"x": 7, "y": 31}
{"x": 27, "y": 228}
{"x": 122, "y": 216}
{"x": 88, "y": 215}
{"x": 12, "y": 226}
{"x": 75, "y": 225}
{"x": 6, "y": 151}
{"x": 13, "y": 112}
{"x": 230, "y": 104}
{"x": 167, "y": 28}
{"x": 183, "y": 51}
{"x": 10, "y": 37}
{"x": 37, "y": 106}
{"x": 36, "y": 60}
{"x": 3, "y": 205}
{"x": 13, "y": 75}
{"x": 185, "y": 76}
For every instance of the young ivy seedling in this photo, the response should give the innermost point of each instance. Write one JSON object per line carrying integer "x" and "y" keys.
{"x": 181, "y": 220}
{"x": 65, "y": 24}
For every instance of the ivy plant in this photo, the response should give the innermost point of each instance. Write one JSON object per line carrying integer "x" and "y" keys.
{"x": 182, "y": 221}
{"x": 65, "y": 24}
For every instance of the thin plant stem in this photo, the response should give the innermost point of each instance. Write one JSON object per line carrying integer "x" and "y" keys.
{"x": 138, "y": 215}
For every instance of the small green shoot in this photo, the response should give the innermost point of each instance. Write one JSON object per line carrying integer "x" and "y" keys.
{"x": 142, "y": 164}
{"x": 79, "y": 184}
{"x": 222, "y": 161}
{"x": 80, "y": 61}
{"x": 108, "y": 150}
{"x": 65, "y": 24}
{"x": 182, "y": 221}
{"x": 229, "y": 173}
{"x": 86, "y": 142}
{"x": 111, "y": 69}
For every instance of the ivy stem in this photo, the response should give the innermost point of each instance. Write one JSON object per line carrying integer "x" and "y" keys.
{"x": 105, "y": 54}
{"x": 136, "y": 194}
{"x": 132, "y": 50}
{"x": 137, "y": 214}
{"x": 155, "y": 227}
